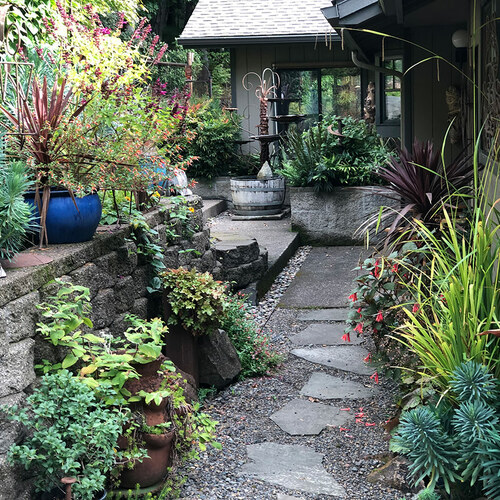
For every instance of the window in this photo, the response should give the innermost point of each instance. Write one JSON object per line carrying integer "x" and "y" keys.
{"x": 391, "y": 92}
{"x": 316, "y": 92}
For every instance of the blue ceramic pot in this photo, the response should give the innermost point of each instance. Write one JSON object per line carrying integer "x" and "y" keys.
{"x": 65, "y": 222}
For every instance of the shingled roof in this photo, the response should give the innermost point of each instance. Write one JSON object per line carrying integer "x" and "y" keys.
{"x": 222, "y": 23}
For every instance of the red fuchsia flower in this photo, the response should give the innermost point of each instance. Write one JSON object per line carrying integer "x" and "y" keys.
{"x": 375, "y": 331}
{"x": 416, "y": 307}
{"x": 370, "y": 424}
{"x": 346, "y": 337}
{"x": 353, "y": 297}
{"x": 375, "y": 376}
{"x": 359, "y": 328}
{"x": 368, "y": 357}
{"x": 376, "y": 271}
{"x": 379, "y": 317}
{"x": 395, "y": 268}
{"x": 345, "y": 409}
{"x": 342, "y": 429}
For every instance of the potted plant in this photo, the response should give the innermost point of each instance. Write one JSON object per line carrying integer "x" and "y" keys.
{"x": 129, "y": 372}
{"x": 326, "y": 169}
{"x": 72, "y": 433}
{"x": 192, "y": 305}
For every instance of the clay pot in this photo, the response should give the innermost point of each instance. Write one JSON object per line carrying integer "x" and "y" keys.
{"x": 153, "y": 469}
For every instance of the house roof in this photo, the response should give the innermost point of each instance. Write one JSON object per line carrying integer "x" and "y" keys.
{"x": 223, "y": 23}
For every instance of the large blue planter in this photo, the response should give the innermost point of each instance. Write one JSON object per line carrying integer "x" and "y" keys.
{"x": 66, "y": 223}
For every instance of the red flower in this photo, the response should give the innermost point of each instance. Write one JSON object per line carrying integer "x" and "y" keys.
{"x": 359, "y": 328}
{"x": 375, "y": 376}
{"x": 395, "y": 268}
{"x": 376, "y": 271}
{"x": 346, "y": 337}
{"x": 353, "y": 297}
{"x": 379, "y": 317}
{"x": 368, "y": 357}
{"x": 416, "y": 307}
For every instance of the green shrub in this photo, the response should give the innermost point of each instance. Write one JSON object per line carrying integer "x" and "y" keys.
{"x": 457, "y": 445}
{"x": 256, "y": 355}
{"x": 316, "y": 158}
{"x": 214, "y": 143}
{"x": 72, "y": 434}
{"x": 15, "y": 214}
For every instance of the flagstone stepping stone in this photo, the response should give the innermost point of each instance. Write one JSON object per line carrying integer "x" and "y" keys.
{"x": 292, "y": 466}
{"x": 323, "y": 334}
{"x": 348, "y": 358}
{"x": 324, "y": 386}
{"x": 304, "y": 418}
{"x": 287, "y": 497}
{"x": 337, "y": 314}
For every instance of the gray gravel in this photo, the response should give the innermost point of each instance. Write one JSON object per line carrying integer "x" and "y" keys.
{"x": 243, "y": 412}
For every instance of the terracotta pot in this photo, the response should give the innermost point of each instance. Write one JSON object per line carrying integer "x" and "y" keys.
{"x": 153, "y": 469}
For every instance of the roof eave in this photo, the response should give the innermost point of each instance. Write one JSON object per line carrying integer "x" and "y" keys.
{"x": 226, "y": 42}
{"x": 348, "y": 13}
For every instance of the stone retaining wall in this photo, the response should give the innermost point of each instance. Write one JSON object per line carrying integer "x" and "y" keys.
{"x": 117, "y": 277}
{"x": 332, "y": 218}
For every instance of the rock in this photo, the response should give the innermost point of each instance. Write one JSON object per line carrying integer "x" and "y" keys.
{"x": 218, "y": 360}
{"x": 16, "y": 367}
{"x": 188, "y": 383}
{"x": 265, "y": 172}
{"x": 18, "y": 318}
{"x": 392, "y": 475}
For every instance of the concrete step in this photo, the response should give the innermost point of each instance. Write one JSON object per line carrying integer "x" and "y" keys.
{"x": 212, "y": 208}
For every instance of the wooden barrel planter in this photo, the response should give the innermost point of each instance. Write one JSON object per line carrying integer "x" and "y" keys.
{"x": 256, "y": 197}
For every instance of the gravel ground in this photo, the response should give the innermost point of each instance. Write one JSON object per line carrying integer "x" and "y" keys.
{"x": 244, "y": 408}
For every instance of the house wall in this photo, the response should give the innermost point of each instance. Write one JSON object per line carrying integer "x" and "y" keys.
{"x": 256, "y": 58}
{"x": 430, "y": 81}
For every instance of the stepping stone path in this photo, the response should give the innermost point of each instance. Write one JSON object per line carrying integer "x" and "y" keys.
{"x": 292, "y": 466}
{"x": 337, "y": 314}
{"x": 300, "y": 417}
{"x": 324, "y": 386}
{"x": 347, "y": 358}
{"x": 299, "y": 467}
{"x": 323, "y": 334}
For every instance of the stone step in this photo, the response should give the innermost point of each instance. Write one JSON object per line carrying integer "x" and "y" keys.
{"x": 291, "y": 466}
{"x": 324, "y": 386}
{"x": 304, "y": 418}
{"x": 232, "y": 249}
{"x": 348, "y": 358}
{"x": 336, "y": 314}
{"x": 323, "y": 334}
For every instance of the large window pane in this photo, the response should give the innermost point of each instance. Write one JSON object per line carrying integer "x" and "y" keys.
{"x": 341, "y": 91}
{"x": 392, "y": 91}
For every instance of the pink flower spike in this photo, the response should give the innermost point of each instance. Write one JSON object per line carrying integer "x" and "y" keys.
{"x": 345, "y": 409}
{"x": 370, "y": 424}
{"x": 368, "y": 357}
{"x": 375, "y": 376}
{"x": 346, "y": 337}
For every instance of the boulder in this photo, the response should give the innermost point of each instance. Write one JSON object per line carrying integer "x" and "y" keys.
{"x": 218, "y": 360}
{"x": 392, "y": 475}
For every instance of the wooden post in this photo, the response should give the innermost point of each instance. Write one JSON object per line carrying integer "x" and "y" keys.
{"x": 189, "y": 71}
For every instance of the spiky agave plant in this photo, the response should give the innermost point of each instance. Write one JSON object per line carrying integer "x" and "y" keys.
{"x": 15, "y": 214}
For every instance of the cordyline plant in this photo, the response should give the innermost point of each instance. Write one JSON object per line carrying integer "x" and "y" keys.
{"x": 424, "y": 184}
